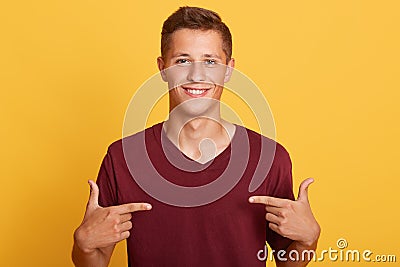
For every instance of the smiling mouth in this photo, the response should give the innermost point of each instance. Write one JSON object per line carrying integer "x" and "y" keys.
{"x": 195, "y": 92}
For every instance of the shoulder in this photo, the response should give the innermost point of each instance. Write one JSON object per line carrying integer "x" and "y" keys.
{"x": 117, "y": 146}
{"x": 281, "y": 154}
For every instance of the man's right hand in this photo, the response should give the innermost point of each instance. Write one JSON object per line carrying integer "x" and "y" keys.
{"x": 104, "y": 227}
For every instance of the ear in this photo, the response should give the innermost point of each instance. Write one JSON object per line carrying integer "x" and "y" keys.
{"x": 229, "y": 69}
{"x": 161, "y": 67}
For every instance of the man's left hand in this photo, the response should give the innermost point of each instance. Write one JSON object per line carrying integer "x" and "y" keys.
{"x": 291, "y": 219}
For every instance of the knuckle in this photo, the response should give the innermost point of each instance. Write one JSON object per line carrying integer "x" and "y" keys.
{"x": 116, "y": 220}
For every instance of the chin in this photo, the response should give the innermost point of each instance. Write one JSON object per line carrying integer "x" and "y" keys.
{"x": 199, "y": 107}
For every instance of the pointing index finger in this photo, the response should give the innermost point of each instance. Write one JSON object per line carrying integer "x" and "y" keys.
{"x": 132, "y": 207}
{"x": 269, "y": 201}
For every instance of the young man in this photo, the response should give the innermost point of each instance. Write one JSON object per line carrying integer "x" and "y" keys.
{"x": 229, "y": 230}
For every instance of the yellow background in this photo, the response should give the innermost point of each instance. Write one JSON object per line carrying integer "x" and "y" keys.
{"x": 329, "y": 69}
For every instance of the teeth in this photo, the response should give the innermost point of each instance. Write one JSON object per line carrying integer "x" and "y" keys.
{"x": 196, "y": 92}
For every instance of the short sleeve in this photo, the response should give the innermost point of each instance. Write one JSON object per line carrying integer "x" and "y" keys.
{"x": 106, "y": 180}
{"x": 280, "y": 185}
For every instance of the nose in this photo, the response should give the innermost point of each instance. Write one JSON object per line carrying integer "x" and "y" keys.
{"x": 196, "y": 72}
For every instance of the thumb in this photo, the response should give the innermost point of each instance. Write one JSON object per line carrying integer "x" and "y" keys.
{"x": 94, "y": 196}
{"x": 303, "y": 189}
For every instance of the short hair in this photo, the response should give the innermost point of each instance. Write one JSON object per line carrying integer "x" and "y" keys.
{"x": 196, "y": 18}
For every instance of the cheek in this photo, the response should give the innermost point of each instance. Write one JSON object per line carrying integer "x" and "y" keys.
{"x": 216, "y": 75}
{"x": 174, "y": 93}
{"x": 176, "y": 76}
{"x": 218, "y": 92}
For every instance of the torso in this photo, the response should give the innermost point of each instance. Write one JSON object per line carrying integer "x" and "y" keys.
{"x": 225, "y": 232}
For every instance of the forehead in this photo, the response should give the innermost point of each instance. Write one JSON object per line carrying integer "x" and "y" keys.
{"x": 195, "y": 42}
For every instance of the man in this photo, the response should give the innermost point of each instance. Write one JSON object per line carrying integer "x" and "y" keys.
{"x": 226, "y": 230}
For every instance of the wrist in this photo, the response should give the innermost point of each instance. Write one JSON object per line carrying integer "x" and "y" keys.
{"x": 80, "y": 241}
{"x": 311, "y": 241}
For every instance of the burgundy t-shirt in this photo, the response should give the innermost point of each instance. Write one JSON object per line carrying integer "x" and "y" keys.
{"x": 228, "y": 231}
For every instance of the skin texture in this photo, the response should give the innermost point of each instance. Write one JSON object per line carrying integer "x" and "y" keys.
{"x": 195, "y": 60}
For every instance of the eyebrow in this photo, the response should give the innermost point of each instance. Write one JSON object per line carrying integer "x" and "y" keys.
{"x": 187, "y": 55}
{"x": 180, "y": 55}
{"x": 211, "y": 56}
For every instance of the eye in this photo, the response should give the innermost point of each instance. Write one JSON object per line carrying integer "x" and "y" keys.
{"x": 211, "y": 62}
{"x": 182, "y": 61}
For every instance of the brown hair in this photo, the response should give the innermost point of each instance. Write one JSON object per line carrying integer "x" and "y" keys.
{"x": 196, "y": 18}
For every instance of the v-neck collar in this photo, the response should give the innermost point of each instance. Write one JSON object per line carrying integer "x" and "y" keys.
{"x": 179, "y": 156}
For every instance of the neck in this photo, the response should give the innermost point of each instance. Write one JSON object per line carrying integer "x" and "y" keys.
{"x": 188, "y": 134}
{"x": 181, "y": 129}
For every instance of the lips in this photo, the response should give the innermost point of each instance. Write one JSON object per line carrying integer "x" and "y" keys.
{"x": 195, "y": 92}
